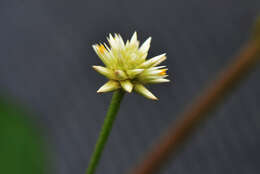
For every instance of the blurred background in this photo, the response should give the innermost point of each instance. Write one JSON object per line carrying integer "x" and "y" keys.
{"x": 45, "y": 66}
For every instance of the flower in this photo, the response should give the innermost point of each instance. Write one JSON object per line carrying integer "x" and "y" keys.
{"x": 126, "y": 65}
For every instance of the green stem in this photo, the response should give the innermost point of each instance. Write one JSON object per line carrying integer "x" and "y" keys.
{"x": 105, "y": 131}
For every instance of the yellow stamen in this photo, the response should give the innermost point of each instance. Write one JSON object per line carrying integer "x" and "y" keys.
{"x": 163, "y": 72}
{"x": 101, "y": 48}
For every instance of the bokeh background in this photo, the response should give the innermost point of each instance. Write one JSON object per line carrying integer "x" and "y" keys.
{"x": 45, "y": 64}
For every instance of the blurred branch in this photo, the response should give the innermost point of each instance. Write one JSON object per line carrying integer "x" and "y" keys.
{"x": 178, "y": 132}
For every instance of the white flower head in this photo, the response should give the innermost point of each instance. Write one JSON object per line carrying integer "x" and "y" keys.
{"x": 126, "y": 65}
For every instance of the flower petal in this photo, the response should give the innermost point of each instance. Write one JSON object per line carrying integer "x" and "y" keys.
{"x": 153, "y": 61}
{"x": 100, "y": 55}
{"x": 105, "y": 72}
{"x": 112, "y": 42}
{"x": 157, "y": 67}
{"x": 134, "y": 72}
{"x": 119, "y": 41}
{"x": 144, "y": 91}
{"x": 160, "y": 80}
{"x": 111, "y": 85}
{"x": 127, "y": 85}
{"x": 145, "y": 46}
{"x": 134, "y": 38}
{"x": 121, "y": 75}
{"x": 152, "y": 72}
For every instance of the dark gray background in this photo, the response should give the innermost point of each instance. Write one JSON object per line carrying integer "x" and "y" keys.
{"x": 46, "y": 59}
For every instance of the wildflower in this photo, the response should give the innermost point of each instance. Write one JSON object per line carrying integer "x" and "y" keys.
{"x": 126, "y": 65}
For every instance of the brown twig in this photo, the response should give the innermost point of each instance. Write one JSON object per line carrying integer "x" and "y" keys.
{"x": 209, "y": 100}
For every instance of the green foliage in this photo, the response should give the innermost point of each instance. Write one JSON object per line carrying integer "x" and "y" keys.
{"x": 21, "y": 147}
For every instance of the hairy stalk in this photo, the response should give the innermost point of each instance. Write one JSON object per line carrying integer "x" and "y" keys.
{"x": 105, "y": 131}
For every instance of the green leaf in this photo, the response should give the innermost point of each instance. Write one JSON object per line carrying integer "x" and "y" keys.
{"x": 21, "y": 146}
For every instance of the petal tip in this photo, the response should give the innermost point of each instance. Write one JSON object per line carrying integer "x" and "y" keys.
{"x": 128, "y": 90}
{"x": 154, "y": 98}
{"x": 99, "y": 91}
{"x": 127, "y": 86}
